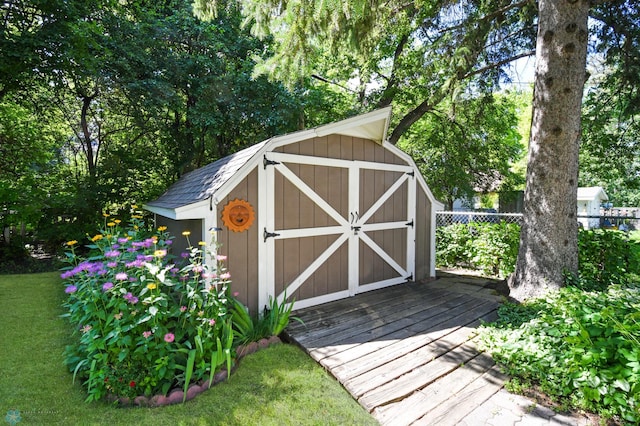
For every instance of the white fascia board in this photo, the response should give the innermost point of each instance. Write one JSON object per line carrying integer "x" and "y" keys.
{"x": 197, "y": 210}
{"x": 162, "y": 211}
{"x": 437, "y": 205}
{"x": 372, "y": 125}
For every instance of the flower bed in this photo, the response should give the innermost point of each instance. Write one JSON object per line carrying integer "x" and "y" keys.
{"x": 144, "y": 324}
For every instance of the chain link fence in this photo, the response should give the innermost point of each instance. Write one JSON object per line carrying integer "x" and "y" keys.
{"x": 445, "y": 218}
{"x": 453, "y": 217}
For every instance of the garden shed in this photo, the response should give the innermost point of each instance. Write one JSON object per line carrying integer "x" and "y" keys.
{"x": 316, "y": 215}
{"x": 589, "y": 202}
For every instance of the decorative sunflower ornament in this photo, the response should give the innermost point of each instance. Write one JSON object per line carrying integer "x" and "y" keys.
{"x": 238, "y": 215}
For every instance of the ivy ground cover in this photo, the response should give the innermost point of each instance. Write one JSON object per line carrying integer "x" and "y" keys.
{"x": 581, "y": 348}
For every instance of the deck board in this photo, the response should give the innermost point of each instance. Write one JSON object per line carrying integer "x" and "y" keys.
{"x": 406, "y": 353}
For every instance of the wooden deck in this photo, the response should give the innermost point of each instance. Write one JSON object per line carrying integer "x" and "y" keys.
{"x": 407, "y": 353}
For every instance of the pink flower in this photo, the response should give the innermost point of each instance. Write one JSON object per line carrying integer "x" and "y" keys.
{"x": 225, "y": 276}
{"x": 221, "y": 257}
{"x": 121, "y": 276}
{"x": 147, "y": 334}
{"x": 169, "y": 337}
{"x": 212, "y": 322}
{"x": 106, "y": 286}
{"x": 86, "y": 328}
{"x": 183, "y": 308}
{"x": 236, "y": 293}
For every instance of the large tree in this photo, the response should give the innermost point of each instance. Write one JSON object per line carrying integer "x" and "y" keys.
{"x": 549, "y": 234}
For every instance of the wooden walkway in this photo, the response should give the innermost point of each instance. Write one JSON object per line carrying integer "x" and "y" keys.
{"x": 407, "y": 353}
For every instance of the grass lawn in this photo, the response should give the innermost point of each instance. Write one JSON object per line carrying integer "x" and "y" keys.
{"x": 276, "y": 386}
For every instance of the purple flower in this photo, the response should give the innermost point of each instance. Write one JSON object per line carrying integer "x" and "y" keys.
{"x": 112, "y": 253}
{"x": 107, "y": 286}
{"x": 121, "y": 276}
{"x": 184, "y": 254}
{"x": 112, "y": 264}
{"x": 168, "y": 242}
{"x": 115, "y": 246}
{"x": 138, "y": 263}
{"x": 70, "y": 289}
{"x": 123, "y": 240}
{"x": 67, "y": 274}
{"x": 131, "y": 298}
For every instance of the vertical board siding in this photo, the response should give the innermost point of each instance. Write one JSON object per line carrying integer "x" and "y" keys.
{"x": 241, "y": 248}
{"x": 423, "y": 231}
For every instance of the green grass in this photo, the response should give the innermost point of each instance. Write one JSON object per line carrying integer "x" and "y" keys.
{"x": 276, "y": 386}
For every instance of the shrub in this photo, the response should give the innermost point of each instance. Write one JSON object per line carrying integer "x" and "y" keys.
{"x": 488, "y": 247}
{"x": 604, "y": 257}
{"x": 144, "y": 325}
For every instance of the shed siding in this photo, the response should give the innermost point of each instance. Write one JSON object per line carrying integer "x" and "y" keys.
{"x": 342, "y": 147}
{"x": 423, "y": 235}
{"x": 176, "y": 228}
{"x": 241, "y": 248}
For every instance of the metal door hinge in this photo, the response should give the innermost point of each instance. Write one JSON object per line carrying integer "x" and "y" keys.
{"x": 266, "y": 162}
{"x": 266, "y": 234}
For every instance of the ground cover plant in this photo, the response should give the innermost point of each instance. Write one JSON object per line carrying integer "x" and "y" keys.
{"x": 580, "y": 346}
{"x": 143, "y": 324}
{"x": 278, "y": 385}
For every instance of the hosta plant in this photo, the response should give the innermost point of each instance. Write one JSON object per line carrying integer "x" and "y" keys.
{"x": 143, "y": 323}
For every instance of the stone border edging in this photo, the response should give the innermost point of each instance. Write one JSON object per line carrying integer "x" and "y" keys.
{"x": 176, "y": 395}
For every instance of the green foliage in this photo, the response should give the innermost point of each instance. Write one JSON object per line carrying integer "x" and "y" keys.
{"x": 488, "y": 247}
{"x": 581, "y": 348}
{"x": 143, "y": 325}
{"x": 605, "y": 257}
{"x": 272, "y": 322}
{"x": 465, "y": 148}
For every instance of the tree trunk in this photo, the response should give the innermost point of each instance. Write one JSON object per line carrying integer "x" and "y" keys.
{"x": 549, "y": 236}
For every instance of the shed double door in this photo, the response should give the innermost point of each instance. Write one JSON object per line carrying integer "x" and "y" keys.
{"x": 334, "y": 228}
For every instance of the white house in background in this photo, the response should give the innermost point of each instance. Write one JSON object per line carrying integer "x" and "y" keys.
{"x": 589, "y": 201}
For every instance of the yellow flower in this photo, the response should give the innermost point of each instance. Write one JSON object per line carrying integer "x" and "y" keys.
{"x": 105, "y": 214}
{"x": 186, "y": 233}
{"x": 162, "y": 228}
{"x": 202, "y": 243}
{"x": 97, "y": 238}
{"x": 133, "y": 206}
{"x": 155, "y": 239}
{"x": 72, "y": 243}
{"x": 136, "y": 216}
{"x": 117, "y": 221}
{"x": 152, "y": 286}
{"x": 160, "y": 253}
{"x": 111, "y": 224}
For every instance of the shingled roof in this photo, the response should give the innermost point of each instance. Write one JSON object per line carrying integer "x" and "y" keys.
{"x": 202, "y": 183}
